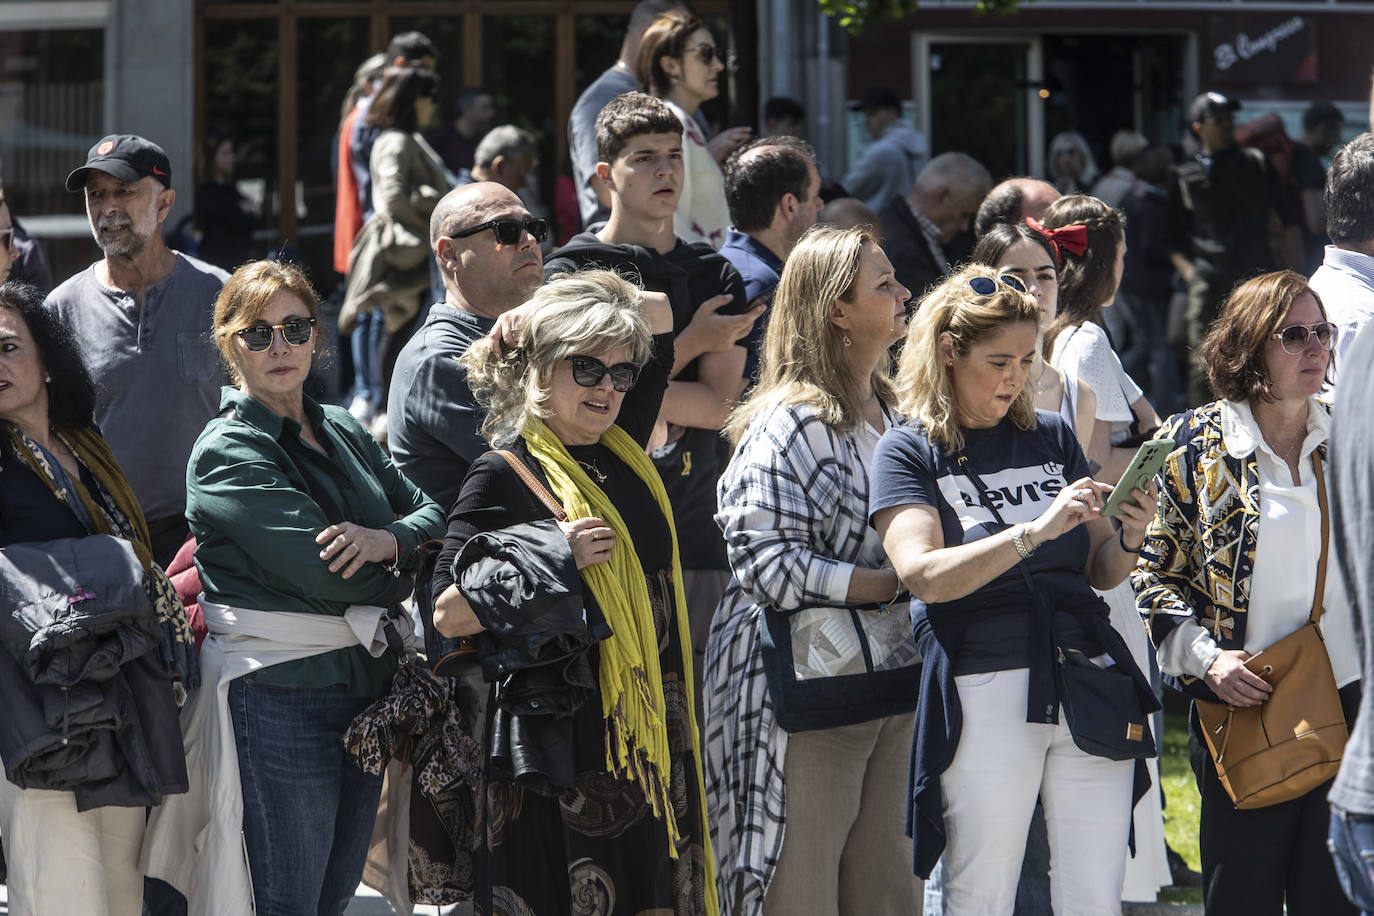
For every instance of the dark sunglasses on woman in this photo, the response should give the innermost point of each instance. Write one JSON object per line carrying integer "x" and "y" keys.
{"x": 508, "y": 229}
{"x": 986, "y": 286}
{"x": 708, "y": 53}
{"x": 588, "y": 371}
{"x": 1294, "y": 337}
{"x": 295, "y": 331}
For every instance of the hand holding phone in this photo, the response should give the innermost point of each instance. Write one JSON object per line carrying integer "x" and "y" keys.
{"x": 1145, "y": 464}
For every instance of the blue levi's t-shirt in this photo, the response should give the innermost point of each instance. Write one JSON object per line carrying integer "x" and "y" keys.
{"x": 1023, "y": 470}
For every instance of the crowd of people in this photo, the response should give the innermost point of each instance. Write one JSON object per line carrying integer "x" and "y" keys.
{"x": 753, "y": 546}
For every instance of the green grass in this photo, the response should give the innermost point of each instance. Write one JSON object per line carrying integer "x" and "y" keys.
{"x": 1182, "y": 804}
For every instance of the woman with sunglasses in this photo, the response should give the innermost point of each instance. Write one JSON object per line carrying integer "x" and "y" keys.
{"x": 1230, "y": 565}
{"x": 680, "y": 63}
{"x": 389, "y": 268}
{"x": 303, "y": 526}
{"x": 804, "y": 771}
{"x": 988, "y": 513}
{"x": 606, "y": 788}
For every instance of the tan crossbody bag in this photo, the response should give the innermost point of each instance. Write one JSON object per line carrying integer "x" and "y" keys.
{"x": 1293, "y": 741}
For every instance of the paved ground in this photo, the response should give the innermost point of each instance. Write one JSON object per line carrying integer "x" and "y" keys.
{"x": 368, "y": 903}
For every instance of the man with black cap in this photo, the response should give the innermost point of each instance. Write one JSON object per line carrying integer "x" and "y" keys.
{"x": 142, "y": 317}
{"x": 1222, "y": 207}
{"x": 889, "y": 165}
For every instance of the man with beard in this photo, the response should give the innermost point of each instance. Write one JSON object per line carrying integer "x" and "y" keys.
{"x": 142, "y": 317}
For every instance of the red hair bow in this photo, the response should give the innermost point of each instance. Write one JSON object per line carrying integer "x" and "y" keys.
{"x": 1073, "y": 239}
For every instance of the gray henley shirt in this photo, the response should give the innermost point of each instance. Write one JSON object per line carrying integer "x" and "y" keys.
{"x": 157, "y": 375}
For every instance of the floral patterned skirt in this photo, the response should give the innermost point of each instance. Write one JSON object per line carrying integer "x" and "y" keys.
{"x": 596, "y": 848}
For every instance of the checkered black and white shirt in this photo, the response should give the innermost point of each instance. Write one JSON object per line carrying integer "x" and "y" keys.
{"x": 793, "y": 505}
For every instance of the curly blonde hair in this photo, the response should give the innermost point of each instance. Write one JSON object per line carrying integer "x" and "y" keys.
{"x": 925, "y": 385}
{"x": 573, "y": 314}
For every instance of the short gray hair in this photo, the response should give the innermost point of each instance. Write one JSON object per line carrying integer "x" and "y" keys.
{"x": 957, "y": 171}
{"x": 506, "y": 140}
{"x": 573, "y": 314}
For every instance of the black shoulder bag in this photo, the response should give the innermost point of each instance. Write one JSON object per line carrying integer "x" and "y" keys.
{"x": 1105, "y": 711}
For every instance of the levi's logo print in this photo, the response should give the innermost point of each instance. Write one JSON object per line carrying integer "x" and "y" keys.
{"x": 1019, "y": 494}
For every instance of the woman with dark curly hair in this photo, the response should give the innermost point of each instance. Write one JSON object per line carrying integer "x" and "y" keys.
{"x": 72, "y": 803}
{"x": 1229, "y": 567}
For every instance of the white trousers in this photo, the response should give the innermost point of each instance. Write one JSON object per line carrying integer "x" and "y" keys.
{"x": 63, "y": 862}
{"x": 1002, "y": 764}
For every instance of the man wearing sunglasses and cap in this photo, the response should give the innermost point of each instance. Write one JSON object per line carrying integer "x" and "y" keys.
{"x": 142, "y": 317}
{"x": 1223, "y": 206}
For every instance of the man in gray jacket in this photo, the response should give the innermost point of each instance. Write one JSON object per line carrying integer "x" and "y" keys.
{"x": 890, "y": 164}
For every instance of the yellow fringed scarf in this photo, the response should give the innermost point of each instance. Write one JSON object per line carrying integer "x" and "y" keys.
{"x": 630, "y": 678}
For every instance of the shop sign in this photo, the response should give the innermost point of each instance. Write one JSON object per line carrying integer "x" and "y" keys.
{"x": 1263, "y": 49}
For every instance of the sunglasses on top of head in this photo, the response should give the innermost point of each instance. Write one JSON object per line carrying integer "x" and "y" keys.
{"x": 1295, "y": 337}
{"x": 588, "y": 371}
{"x": 295, "y": 331}
{"x": 986, "y": 286}
{"x": 507, "y": 229}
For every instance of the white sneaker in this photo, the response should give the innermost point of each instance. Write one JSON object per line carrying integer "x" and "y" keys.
{"x": 362, "y": 410}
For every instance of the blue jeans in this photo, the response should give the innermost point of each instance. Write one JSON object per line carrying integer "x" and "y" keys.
{"x": 308, "y": 810}
{"x": 1351, "y": 841}
{"x": 367, "y": 356}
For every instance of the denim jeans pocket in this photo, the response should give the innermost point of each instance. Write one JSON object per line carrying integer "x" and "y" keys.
{"x": 1351, "y": 841}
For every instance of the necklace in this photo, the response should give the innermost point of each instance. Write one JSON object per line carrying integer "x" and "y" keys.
{"x": 1045, "y": 370}
{"x": 592, "y": 470}
{"x": 1286, "y": 455}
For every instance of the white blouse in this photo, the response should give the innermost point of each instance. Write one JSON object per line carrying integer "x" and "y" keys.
{"x": 1085, "y": 353}
{"x": 1287, "y": 547}
{"x": 702, "y": 214}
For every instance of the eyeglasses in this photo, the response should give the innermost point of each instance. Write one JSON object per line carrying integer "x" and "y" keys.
{"x": 508, "y": 229}
{"x": 1295, "y": 337}
{"x": 588, "y": 371}
{"x": 6, "y": 239}
{"x": 294, "y": 331}
{"x": 707, "y": 53}
{"x": 986, "y": 286}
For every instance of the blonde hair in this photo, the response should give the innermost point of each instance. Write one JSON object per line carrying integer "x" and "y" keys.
{"x": 925, "y": 385}
{"x": 803, "y": 360}
{"x": 245, "y": 295}
{"x": 573, "y": 314}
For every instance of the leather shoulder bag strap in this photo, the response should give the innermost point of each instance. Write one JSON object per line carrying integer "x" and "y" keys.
{"x": 537, "y": 488}
{"x": 1320, "y": 591}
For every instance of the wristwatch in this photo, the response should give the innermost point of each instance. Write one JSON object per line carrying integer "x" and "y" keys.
{"x": 1021, "y": 540}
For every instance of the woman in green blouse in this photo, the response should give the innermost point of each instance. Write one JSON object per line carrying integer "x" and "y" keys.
{"x": 300, "y": 519}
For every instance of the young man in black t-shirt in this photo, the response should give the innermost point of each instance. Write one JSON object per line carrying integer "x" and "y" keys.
{"x": 639, "y": 142}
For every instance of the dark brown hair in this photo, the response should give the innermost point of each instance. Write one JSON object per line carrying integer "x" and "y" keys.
{"x": 1087, "y": 280}
{"x": 667, "y": 37}
{"x": 1233, "y": 350}
{"x": 394, "y": 103}
{"x": 631, "y": 114}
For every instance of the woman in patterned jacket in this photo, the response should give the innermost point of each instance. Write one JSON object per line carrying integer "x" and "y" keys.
{"x": 1229, "y": 568}
{"x": 814, "y": 737}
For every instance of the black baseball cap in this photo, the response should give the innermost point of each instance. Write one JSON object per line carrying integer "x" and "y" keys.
{"x": 1210, "y": 103}
{"x": 877, "y": 97}
{"x": 127, "y": 157}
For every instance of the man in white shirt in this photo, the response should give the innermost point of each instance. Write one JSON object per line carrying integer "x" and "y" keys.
{"x": 1345, "y": 280}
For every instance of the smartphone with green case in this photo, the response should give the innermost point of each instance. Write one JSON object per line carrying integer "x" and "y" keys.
{"x": 1145, "y": 464}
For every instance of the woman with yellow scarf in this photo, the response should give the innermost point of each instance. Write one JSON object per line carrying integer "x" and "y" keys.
{"x": 593, "y": 765}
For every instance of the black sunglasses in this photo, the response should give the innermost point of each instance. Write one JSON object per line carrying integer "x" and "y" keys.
{"x": 708, "y": 53}
{"x": 295, "y": 331}
{"x": 508, "y": 229}
{"x": 1294, "y": 337}
{"x": 986, "y": 286}
{"x": 6, "y": 239}
{"x": 588, "y": 371}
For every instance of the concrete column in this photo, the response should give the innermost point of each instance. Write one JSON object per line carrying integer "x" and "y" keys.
{"x": 150, "y": 83}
